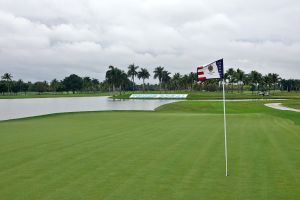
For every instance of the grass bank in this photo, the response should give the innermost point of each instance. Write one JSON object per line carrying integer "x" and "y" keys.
{"x": 175, "y": 152}
{"x": 292, "y": 104}
{"x": 194, "y": 95}
{"x": 219, "y": 95}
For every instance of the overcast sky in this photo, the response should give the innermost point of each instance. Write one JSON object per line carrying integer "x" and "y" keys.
{"x": 46, "y": 39}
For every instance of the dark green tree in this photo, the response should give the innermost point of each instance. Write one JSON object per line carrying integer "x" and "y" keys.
{"x": 143, "y": 74}
{"x": 56, "y": 86}
{"x": 41, "y": 87}
{"x": 267, "y": 81}
{"x": 73, "y": 83}
{"x": 158, "y": 73}
{"x": 123, "y": 81}
{"x": 3, "y": 87}
{"x": 8, "y": 78}
{"x": 95, "y": 84}
{"x": 274, "y": 80}
{"x": 15, "y": 87}
{"x": 132, "y": 72}
{"x": 254, "y": 79}
{"x": 87, "y": 84}
{"x": 192, "y": 78}
{"x": 112, "y": 76}
{"x": 230, "y": 75}
{"x": 25, "y": 87}
{"x": 176, "y": 80}
{"x": 240, "y": 77}
{"x": 165, "y": 80}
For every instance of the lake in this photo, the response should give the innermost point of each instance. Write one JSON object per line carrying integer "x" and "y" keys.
{"x": 20, "y": 108}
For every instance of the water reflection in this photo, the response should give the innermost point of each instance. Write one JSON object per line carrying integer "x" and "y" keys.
{"x": 19, "y": 108}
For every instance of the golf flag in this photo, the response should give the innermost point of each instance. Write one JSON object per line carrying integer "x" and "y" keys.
{"x": 214, "y": 70}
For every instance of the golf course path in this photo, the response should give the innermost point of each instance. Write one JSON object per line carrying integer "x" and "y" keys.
{"x": 279, "y": 106}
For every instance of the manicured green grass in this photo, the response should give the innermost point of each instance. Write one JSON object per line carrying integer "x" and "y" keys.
{"x": 196, "y": 95}
{"x": 192, "y": 95}
{"x": 244, "y": 95}
{"x": 175, "y": 152}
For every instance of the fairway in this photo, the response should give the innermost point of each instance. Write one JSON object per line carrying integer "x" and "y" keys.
{"x": 175, "y": 152}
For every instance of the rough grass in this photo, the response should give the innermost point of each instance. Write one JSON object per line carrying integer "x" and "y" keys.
{"x": 175, "y": 152}
{"x": 292, "y": 104}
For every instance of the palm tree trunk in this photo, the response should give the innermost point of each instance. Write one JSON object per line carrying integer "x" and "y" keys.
{"x": 9, "y": 87}
{"x": 160, "y": 86}
{"x": 133, "y": 84}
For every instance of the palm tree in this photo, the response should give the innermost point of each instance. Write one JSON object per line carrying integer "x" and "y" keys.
{"x": 112, "y": 76}
{"x": 143, "y": 74}
{"x": 230, "y": 74}
{"x": 95, "y": 84}
{"x": 158, "y": 73}
{"x": 240, "y": 77}
{"x": 87, "y": 83}
{"x": 185, "y": 81}
{"x": 274, "y": 79}
{"x": 8, "y": 78}
{"x": 267, "y": 80}
{"x": 165, "y": 78}
{"x": 255, "y": 78}
{"x": 176, "y": 80}
{"x": 123, "y": 80}
{"x": 56, "y": 86}
{"x": 20, "y": 84}
{"x": 132, "y": 72}
{"x": 192, "y": 78}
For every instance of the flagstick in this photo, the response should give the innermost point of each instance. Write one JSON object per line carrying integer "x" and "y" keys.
{"x": 225, "y": 127}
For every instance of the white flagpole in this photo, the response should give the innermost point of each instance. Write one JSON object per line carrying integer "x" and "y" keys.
{"x": 225, "y": 128}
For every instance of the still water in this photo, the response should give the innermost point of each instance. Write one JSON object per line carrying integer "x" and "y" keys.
{"x": 20, "y": 108}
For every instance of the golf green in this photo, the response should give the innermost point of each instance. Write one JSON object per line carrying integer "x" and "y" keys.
{"x": 175, "y": 152}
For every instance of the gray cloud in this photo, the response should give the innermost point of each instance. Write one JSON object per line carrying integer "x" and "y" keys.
{"x": 46, "y": 39}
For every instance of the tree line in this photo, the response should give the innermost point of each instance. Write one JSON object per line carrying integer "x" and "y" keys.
{"x": 121, "y": 81}
{"x": 72, "y": 83}
{"x": 236, "y": 80}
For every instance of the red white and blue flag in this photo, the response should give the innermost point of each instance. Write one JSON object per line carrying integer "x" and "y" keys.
{"x": 214, "y": 70}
